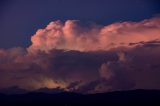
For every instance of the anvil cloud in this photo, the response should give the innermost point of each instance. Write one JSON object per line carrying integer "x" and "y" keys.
{"x": 86, "y": 58}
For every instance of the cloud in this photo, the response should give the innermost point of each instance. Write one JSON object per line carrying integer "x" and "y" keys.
{"x": 86, "y": 58}
{"x": 105, "y": 72}
{"x": 72, "y": 35}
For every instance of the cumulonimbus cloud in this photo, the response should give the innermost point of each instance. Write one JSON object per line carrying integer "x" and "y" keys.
{"x": 71, "y": 35}
{"x": 86, "y": 59}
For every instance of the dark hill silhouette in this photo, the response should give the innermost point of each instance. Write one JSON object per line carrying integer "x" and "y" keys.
{"x": 134, "y": 97}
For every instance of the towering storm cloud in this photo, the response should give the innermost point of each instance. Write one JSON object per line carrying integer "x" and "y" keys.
{"x": 86, "y": 58}
{"x": 72, "y": 35}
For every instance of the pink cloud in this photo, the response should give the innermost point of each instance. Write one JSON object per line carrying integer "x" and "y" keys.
{"x": 92, "y": 58}
{"x": 73, "y": 36}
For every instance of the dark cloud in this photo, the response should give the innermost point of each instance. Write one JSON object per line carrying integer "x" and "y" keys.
{"x": 48, "y": 63}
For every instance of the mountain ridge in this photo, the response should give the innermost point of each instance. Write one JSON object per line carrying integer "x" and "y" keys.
{"x": 130, "y": 97}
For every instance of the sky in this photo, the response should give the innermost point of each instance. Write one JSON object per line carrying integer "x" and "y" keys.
{"x": 19, "y": 19}
{"x": 88, "y": 46}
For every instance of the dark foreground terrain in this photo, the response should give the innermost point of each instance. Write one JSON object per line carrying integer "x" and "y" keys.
{"x": 135, "y": 97}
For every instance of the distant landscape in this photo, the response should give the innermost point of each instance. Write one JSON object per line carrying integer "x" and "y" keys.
{"x": 133, "y": 97}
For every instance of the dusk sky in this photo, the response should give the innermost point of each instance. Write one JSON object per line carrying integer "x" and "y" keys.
{"x": 85, "y": 46}
{"x": 19, "y": 19}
